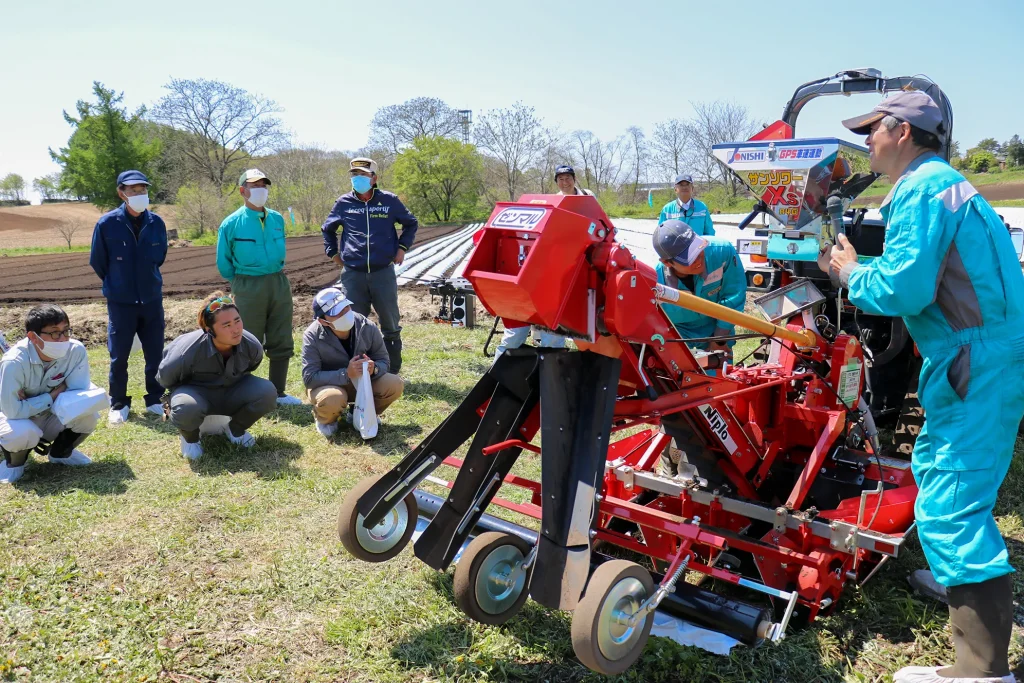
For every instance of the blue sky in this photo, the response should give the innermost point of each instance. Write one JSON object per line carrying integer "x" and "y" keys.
{"x": 596, "y": 65}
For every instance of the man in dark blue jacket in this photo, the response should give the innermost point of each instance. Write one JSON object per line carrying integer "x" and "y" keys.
{"x": 129, "y": 244}
{"x": 370, "y": 249}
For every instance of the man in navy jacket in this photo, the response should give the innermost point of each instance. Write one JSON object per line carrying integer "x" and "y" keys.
{"x": 129, "y": 244}
{"x": 370, "y": 249}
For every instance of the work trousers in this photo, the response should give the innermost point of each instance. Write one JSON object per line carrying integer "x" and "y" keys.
{"x": 515, "y": 337}
{"x": 246, "y": 401}
{"x": 19, "y": 437}
{"x": 124, "y": 321}
{"x": 329, "y": 402}
{"x": 265, "y": 304}
{"x": 378, "y": 289}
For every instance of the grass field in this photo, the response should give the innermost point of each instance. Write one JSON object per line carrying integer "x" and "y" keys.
{"x": 31, "y": 251}
{"x": 145, "y": 567}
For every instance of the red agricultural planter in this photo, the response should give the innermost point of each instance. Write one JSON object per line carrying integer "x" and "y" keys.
{"x": 766, "y": 479}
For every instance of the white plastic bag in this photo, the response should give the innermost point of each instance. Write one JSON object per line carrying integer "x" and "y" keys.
{"x": 364, "y": 417}
{"x": 70, "y": 405}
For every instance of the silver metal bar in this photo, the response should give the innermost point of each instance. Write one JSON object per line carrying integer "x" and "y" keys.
{"x": 474, "y": 507}
{"x": 837, "y": 533}
{"x": 412, "y": 478}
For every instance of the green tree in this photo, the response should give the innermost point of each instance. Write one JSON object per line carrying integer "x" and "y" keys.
{"x": 106, "y": 141}
{"x": 48, "y": 186}
{"x": 12, "y": 186}
{"x": 981, "y": 161}
{"x": 440, "y": 177}
{"x": 1015, "y": 151}
{"x": 990, "y": 145}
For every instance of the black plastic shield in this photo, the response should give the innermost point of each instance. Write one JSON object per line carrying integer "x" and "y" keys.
{"x": 577, "y": 401}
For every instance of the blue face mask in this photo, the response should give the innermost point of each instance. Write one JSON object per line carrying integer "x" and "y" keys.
{"x": 361, "y": 184}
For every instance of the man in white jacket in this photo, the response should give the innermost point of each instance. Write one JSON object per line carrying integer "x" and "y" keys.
{"x": 33, "y": 373}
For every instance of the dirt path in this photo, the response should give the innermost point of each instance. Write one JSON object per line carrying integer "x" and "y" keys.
{"x": 993, "y": 193}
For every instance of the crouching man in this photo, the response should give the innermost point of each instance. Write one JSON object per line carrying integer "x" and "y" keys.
{"x": 209, "y": 372}
{"x": 334, "y": 349}
{"x": 33, "y": 373}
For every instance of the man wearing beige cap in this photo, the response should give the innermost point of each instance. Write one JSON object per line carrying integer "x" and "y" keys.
{"x": 369, "y": 249}
{"x": 250, "y": 255}
{"x": 950, "y": 271}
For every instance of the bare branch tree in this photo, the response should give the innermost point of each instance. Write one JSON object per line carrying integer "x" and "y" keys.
{"x": 395, "y": 127}
{"x": 515, "y": 137}
{"x": 226, "y": 125}
{"x": 68, "y": 227}
{"x": 308, "y": 179}
{"x": 601, "y": 163}
{"x": 714, "y": 123}
{"x": 638, "y": 152}
{"x": 552, "y": 155}
{"x": 670, "y": 144}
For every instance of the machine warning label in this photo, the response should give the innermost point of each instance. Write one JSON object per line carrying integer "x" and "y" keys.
{"x": 849, "y": 382}
{"x": 519, "y": 217}
{"x": 719, "y": 427}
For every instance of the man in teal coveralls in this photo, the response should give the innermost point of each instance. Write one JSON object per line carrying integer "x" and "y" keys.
{"x": 950, "y": 270}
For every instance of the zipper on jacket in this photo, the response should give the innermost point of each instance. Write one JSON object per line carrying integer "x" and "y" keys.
{"x": 367, "y": 211}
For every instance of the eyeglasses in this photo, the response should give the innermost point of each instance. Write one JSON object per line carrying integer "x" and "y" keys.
{"x": 59, "y": 334}
{"x": 219, "y": 303}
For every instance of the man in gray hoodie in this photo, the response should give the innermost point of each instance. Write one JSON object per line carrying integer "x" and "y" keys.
{"x": 334, "y": 348}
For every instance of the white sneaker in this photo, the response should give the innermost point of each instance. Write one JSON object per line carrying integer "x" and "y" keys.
{"x": 246, "y": 440}
{"x": 156, "y": 409}
{"x": 117, "y": 417}
{"x": 287, "y": 400}
{"x": 76, "y": 459}
{"x": 930, "y": 674}
{"x": 327, "y": 430}
{"x": 192, "y": 451}
{"x": 9, "y": 475}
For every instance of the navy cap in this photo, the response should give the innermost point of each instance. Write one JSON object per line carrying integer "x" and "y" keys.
{"x": 132, "y": 178}
{"x": 559, "y": 170}
{"x": 683, "y": 177}
{"x": 676, "y": 241}
{"x": 914, "y": 106}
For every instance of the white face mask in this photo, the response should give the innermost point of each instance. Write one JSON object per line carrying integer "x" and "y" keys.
{"x": 258, "y": 196}
{"x": 55, "y": 349}
{"x": 138, "y": 203}
{"x": 345, "y": 322}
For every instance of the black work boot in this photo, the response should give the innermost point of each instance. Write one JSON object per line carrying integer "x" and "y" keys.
{"x": 981, "y": 618}
{"x": 394, "y": 347}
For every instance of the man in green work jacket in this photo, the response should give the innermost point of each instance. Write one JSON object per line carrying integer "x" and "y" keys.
{"x": 250, "y": 255}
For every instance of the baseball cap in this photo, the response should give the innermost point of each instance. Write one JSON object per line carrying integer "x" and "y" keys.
{"x": 329, "y": 302}
{"x": 683, "y": 177}
{"x": 363, "y": 164}
{"x": 132, "y": 178}
{"x": 559, "y": 170}
{"x": 913, "y": 106}
{"x": 251, "y": 175}
{"x": 674, "y": 240}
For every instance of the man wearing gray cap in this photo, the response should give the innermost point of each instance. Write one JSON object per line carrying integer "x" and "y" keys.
{"x": 708, "y": 267}
{"x": 686, "y": 208}
{"x": 950, "y": 270}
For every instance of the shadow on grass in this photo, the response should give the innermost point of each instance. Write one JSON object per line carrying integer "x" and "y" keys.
{"x": 391, "y": 439}
{"x": 445, "y": 648}
{"x": 105, "y": 477}
{"x": 270, "y": 458}
{"x": 435, "y": 390}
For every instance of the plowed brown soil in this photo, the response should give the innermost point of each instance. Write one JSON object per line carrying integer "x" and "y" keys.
{"x": 188, "y": 272}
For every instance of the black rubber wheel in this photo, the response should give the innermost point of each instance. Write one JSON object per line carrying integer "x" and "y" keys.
{"x": 599, "y": 639}
{"x": 384, "y": 541}
{"x": 482, "y": 586}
